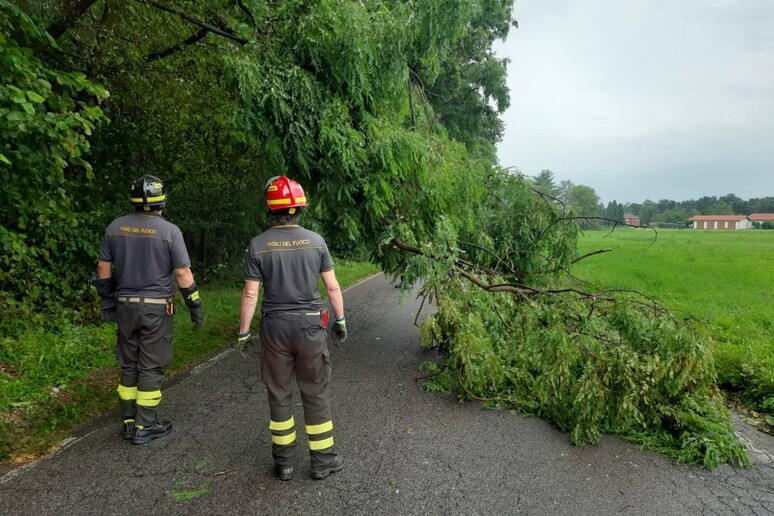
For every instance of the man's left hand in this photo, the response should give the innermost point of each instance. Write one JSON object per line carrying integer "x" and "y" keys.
{"x": 106, "y": 288}
{"x": 339, "y": 331}
{"x": 242, "y": 340}
{"x": 107, "y": 309}
{"x": 197, "y": 316}
{"x": 194, "y": 303}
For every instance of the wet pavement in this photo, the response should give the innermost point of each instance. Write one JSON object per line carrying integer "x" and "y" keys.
{"x": 407, "y": 451}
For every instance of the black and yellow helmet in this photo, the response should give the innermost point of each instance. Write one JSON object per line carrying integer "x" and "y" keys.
{"x": 149, "y": 192}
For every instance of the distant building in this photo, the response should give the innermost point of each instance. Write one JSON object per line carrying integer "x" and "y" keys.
{"x": 720, "y": 222}
{"x": 761, "y": 217}
{"x": 631, "y": 219}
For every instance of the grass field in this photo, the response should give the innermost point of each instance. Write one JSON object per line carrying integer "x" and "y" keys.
{"x": 56, "y": 374}
{"x": 723, "y": 278}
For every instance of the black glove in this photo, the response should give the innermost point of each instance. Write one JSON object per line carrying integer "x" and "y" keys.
{"x": 107, "y": 309}
{"x": 106, "y": 288}
{"x": 194, "y": 303}
{"x": 339, "y": 331}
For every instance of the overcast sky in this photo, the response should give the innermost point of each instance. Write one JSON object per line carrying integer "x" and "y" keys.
{"x": 647, "y": 99}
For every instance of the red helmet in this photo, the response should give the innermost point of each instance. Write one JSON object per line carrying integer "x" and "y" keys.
{"x": 282, "y": 192}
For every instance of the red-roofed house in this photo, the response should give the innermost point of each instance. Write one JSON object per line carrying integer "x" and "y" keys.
{"x": 720, "y": 222}
{"x": 631, "y": 219}
{"x": 761, "y": 217}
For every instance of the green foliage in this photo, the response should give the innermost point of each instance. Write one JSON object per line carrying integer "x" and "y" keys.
{"x": 356, "y": 100}
{"x": 544, "y": 183}
{"x": 46, "y": 117}
{"x": 583, "y": 201}
{"x": 592, "y": 363}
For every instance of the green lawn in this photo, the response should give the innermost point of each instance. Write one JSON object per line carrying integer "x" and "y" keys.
{"x": 54, "y": 375}
{"x": 723, "y": 278}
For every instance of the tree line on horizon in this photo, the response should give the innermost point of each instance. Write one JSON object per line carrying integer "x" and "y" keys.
{"x": 583, "y": 201}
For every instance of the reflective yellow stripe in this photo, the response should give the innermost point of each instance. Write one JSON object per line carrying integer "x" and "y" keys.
{"x": 148, "y": 395}
{"x": 319, "y": 429}
{"x": 148, "y": 398}
{"x": 127, "y": 393}
{"x": 150, "y": 199}
{"x": 284, "y": 425}
{"x": 285, "y": 201}
{"x": 283, "y": 439}
{"x": 323, "y": 444}
{"x": 195, "y": 296}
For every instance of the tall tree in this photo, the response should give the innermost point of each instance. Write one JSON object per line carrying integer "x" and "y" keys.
{"x": 738, "y": 205}
{"x": 584, "y": 201}
{"x": 563, "y": 191}
{"x": 649, "y": 211}
{"x": 545, "y": 183}
{"x": 719, "y": 208}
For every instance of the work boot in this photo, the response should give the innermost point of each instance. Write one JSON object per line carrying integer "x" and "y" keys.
{"x": 284, "y": 473}
{"x": 336, "y": 465}
{"x": 129, "y": 429}
{"x": 149, "y": 433}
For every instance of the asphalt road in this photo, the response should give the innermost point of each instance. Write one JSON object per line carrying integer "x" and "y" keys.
{"x": 408, "y": 451}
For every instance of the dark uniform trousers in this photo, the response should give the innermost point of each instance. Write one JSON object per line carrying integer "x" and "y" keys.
{"x": 294, "y": 349}
{"x": 144, "y": 350}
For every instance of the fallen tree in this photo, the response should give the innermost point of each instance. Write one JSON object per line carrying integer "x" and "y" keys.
{"x": 519, "y": 331}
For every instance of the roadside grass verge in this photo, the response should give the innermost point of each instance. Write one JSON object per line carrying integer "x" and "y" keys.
{"x": 723, "y": 278}
{"x": 57, "y": 374}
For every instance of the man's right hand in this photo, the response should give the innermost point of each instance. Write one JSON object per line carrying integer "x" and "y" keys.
{"x": 339, "y": 331}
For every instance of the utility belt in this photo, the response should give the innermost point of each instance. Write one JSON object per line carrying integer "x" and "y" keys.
{"x": 322, "y": 314}
{"x": 151, "y": 301}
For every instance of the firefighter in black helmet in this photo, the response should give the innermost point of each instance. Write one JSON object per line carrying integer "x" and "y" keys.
{"x": 141, "y": 257}
{"x": 288, "y": 259}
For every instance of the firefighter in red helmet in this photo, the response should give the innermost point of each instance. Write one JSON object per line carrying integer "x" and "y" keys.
{"x": 287, "y": 259}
